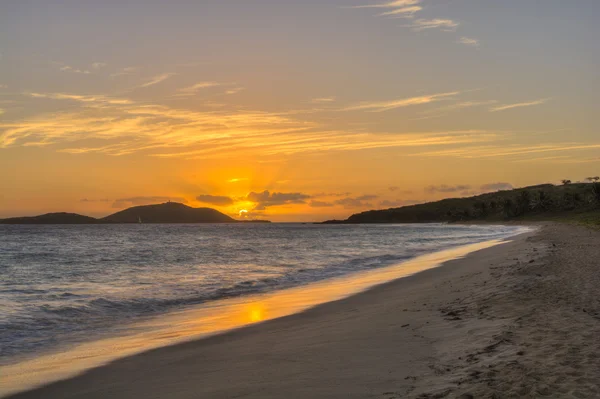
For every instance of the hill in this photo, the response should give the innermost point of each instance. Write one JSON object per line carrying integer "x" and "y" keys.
{"x": 169, "y": 212}
{"x": 51, "y": 218}
{"x": 545, "y": 201}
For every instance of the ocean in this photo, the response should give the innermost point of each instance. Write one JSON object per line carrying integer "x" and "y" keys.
{"x": 63, "y": 285}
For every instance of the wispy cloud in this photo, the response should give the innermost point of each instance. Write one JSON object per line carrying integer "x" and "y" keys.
{"x": 124, "y": 126}
{"x": 235, "y": 90}
{"x": 519, "y": 105}
{"x": 469, "y": 41}
{"x": 67, "y": 68}
{"x": 391, "y": 4}
{"x": 406, "y": 8}
{"x": 98, "y": 65}
{"x": 447, "y": 25}
{"x": 95, "y": 99}
{"x": 322, "y": 100}
{"x": 514, "y": 152}
{"x": 405, "y": 12}
{"x": 442, "y": 111}
{"x": 405, "y": 102}
{"x": 195, "y": 88}
{"x": 157, "y": 79}
{"x": 123, "y": 72}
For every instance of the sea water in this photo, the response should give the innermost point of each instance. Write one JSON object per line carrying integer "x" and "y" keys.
{"x": 63, "y": 285}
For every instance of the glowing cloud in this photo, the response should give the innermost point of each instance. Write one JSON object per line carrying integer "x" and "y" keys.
{"x": 67, "y": 68}
{"x": 468, "y": 41}
{"x": 157, "y": 79}
{"x": 406, "y": 102}
{"x": 322, "y": 100}
{"x": 437, "y": 23}
{"x": 235, "y": 90}
{"x": 191, "y": 90}
{"x": 127, "y": 127}
{"x": 519, "y": 105}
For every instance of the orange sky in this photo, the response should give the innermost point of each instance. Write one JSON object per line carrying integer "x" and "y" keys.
{"x": 292, "y": 111}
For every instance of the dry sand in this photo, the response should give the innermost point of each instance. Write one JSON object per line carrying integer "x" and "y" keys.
{"x": 517, "y": 320}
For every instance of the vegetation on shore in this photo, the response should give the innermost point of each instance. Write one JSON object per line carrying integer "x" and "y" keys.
{"x": 579, "y": 202}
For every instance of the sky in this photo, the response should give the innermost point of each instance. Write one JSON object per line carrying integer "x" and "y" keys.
{"x": 292, "y": 110}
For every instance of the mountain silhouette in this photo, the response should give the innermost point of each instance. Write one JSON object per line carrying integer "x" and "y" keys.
{"x": 51, "y": 218}
{"x": 169, "y": 212}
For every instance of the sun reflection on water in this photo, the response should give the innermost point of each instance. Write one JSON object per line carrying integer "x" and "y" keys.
{"x": 256, "y": 312}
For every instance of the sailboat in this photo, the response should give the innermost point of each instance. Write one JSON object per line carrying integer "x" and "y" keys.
{"x": 139, "y": 219}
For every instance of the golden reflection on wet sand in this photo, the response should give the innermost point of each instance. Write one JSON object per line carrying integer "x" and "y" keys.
{"x": 209, "y": 319}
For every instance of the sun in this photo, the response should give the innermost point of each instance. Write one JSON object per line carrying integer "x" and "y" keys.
{"x": 243, "y": 213}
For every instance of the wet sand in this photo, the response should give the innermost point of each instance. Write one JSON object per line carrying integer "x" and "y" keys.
{"x": 521, "y": 319}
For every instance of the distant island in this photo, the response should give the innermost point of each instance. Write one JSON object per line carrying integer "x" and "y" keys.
{"x": 169, "y": 212}
{"x": 578, "y": 201}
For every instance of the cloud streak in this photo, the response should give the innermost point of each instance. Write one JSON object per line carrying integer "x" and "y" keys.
{"x": 447, "y": 25}
{"x": 67, "y": 68}
{"x": 514, "y": 152}
{"x": 120, "y": 126}
{"x": 157, "y": 79}
{"x": 322, "y": 100}
{"x": 519, "y": 105}
{"x": 398, "y": 8}
{"x": 469, "y": 41}
{"x": 405, "y": 102}
{"x": 195, "y": 88}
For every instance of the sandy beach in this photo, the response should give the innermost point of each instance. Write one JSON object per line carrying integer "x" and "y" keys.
{"x": 521, "y": 319}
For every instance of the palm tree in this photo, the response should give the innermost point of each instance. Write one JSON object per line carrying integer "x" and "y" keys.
{"x": 565, "y": 182}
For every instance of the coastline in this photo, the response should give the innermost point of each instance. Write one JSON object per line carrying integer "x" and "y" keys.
{"x": 428, "y": 334}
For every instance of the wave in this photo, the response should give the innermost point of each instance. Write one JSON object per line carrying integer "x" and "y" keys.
{"x": 75, "y": 291}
